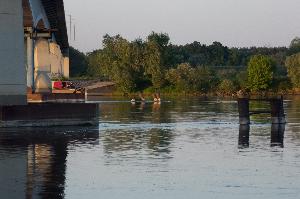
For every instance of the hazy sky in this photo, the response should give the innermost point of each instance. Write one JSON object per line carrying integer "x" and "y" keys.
{"x": 235, "y": 23}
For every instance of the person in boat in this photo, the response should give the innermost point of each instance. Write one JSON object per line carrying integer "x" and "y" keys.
{"x": 156, "y": 98}
{"x": 133, "y": 100}
{"x": 142, "y": 98}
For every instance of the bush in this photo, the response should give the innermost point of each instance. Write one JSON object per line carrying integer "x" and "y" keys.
{"x": 293, "y": 67}
{"x": 260, "y": 73}
{"x": 226, "y": 87}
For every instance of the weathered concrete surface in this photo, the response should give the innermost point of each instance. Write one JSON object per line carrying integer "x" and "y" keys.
{"x": 49, "y": 62}
{"x": 42, "y": 66}
{"x": 49, "y": 114}
{"x": 12, "y": 63}
{"x": 29, "y": 61}
{"x": 66, "y": 67}
{"x": 54, "y": 97}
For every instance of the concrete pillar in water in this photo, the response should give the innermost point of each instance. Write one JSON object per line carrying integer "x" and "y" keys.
{"x": 12, "y": 63}
{"x": 30, "y": 63}
{"x": 243, "y": 107}
{"x": 277, "y": 111}
{"x": 66, "y": 67}
{"x": 277, "y": 134}
{"x": 42, "y": 66}
{"x": 244, "y": 136}
{"x": 85, "y": 94}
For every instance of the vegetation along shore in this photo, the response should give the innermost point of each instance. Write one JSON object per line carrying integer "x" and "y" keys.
{"x": 156, "y": 64}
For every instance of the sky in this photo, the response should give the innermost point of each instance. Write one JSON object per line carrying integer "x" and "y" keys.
{"x": 234, "y": 23}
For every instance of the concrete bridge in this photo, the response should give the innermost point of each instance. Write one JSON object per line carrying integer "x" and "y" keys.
{"x": 34, "y": 47}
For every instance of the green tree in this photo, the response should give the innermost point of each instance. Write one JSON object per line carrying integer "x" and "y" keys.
{"x": 117, "y": 61}
{"x": 260, "y": 73}
{"x": 139, "y": 64}
{"x": 204, "y": 79}
{"x": 294, "y": 46}
{"x": 218, "y": 54}
{"x": 162, "y": 41}
{"x": 155, "y": 58}
{"x": 188, "y": 79}
{"x": 78, "y": 63}
{"x": 293, "y": 67}
{"x": 241, "y": 79}
{"x": 94, "y": 68}
{"x": 181, "y": 77}
{"x": 234, "y": 57}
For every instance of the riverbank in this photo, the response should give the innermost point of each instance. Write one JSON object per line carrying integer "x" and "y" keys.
{"x": 209, "y": 94}
{"x": 102, "y": 88}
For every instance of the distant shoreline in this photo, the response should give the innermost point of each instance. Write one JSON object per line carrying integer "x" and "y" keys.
{"x": 213, "y": 94}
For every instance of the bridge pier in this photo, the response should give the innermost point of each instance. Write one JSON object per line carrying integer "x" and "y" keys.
{"x": 49, "y": 114}
{"x": 277, "y": 134}
{"x": 244, "y": 134}
{"x": 12, "y": 78}
{"x": 30, "y": 58}
{"x": 276, "y": 111}
{"x": 243, "y": 107}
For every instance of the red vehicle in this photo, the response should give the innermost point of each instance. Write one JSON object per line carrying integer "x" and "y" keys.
{"x": 66, "y": 85}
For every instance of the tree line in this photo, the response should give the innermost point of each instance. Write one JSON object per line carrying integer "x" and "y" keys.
{"x": 155, "y": 63}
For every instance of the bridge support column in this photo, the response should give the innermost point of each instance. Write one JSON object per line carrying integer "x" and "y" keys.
{"x": 30, "y": 62}
{"x": 244, "y": 115}
{"x": 12, "y": 63}
{"x": 277, "y": 134}
{"x": 244, "y": 131}
{"x": 277, "y": 111}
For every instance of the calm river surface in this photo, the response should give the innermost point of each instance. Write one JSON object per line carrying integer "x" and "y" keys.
{"x": 187, "y": 148}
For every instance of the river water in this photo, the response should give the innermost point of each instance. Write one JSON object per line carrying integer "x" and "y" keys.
{"x": 182, "y": 148}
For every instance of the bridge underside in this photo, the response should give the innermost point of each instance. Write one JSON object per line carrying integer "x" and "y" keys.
{"x": 33, "y": 47}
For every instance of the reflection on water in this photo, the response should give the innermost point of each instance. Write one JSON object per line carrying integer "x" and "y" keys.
{"x": 183, "y": 148}
{"x": 244, "y": 136}
{"x": 277, "y": 135}
{"x": 33, "y": 160}
{"x": 156, "y": 140}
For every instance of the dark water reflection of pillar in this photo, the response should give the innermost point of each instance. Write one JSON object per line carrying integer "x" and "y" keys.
{"x": 244, "y": 136}
{"x": 277, "y": 135}
{"x": 45, "y": 152}
{"x": 47, "y": 170}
